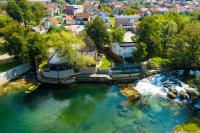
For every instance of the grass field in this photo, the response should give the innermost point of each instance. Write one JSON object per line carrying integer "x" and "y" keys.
{"x": 105, "y": 63}
{"x": 112, "y": 21}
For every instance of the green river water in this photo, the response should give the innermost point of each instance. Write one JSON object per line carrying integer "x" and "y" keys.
{"x": 87, "y": 108}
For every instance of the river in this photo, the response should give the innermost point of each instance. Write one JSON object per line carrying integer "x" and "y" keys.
{"x": 88, "y": 108}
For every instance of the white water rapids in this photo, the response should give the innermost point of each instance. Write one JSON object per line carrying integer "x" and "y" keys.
{"x": 160, "y": 85}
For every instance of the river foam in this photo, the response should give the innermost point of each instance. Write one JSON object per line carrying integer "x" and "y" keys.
{"x": 160, "y": 85}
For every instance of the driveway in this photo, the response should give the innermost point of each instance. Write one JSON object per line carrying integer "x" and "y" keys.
{"x": 127, "y": 36}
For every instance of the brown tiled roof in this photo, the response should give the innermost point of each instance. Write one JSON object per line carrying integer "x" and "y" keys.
{"x": 69, "y": 18}
{"x": 53, "y": 20}
{"x": 83, "y": 15}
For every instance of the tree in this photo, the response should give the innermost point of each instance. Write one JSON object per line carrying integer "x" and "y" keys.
{"x": 129, "y": 11}
{"x": 141, "y": 53}
{"x": 157, "y": 31}
{"x": 4, "y": 20}
{"x": 90, "y": 46}
{"x": 24, "y": 45}
{"x": 97, "y": 31}
{"x": 69, "y": 47}
{"x": 37, "y": 49}
{"x": 38, "y": 10}
{"x": 117, "y": 35}
{"x": 20, "y": 10}
{"x": 14, "y": 11}
{"x": 107, "y": 9}
{"x": 16, "y": 42}
{"x": 186, "y": 48}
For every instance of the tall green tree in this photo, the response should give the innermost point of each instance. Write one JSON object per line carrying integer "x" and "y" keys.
{"x": 141, "y": 53}
{"x": 157, "y": 31}
{"x": 69, "y": 47}
{"x": 24, "y": 45}
{"x": 118, "y": 34}
{"x": 97, "y": 30}
{"x": 37, "y": 49}
{"x": 186, "y": 48}
{"x": 20, "y": 10}
{"x": 38, "y": 10}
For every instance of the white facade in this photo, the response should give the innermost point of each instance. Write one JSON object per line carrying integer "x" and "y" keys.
{"x": 125, "y": 50}
{"x": 103, "y": 15}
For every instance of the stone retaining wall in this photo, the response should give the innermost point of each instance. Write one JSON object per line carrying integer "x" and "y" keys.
{"x": 14, "y": 73}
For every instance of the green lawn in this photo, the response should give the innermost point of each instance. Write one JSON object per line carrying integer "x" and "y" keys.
{"x": 43, "y": 65}
{"x": 112, "y": 21}
{"x": 105, "y": 63}
{"x": 7, "y": 66}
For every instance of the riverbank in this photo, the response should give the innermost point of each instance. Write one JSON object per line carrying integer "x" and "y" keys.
{"x": 18, "y": 84}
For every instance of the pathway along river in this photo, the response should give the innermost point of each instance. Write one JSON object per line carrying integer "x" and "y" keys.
{"x": 88, "y": 108}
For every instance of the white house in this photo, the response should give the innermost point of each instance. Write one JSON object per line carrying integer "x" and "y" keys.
{"x": 103, "y": 15}
{"x": 51, "y": 22}
{"x": 125, "y": 50}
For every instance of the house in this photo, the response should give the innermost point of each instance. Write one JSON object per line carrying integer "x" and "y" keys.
{"x": 57, "y": 71}
{"x": 91, "y": 6}
{"x": 128, "y": 22}
{"x": 52, "y": 9}
{"x": 51, "y": 22}
{"x": 69, "y": 20}
{"x": 82, "y": 18}
{"x": 117, "y": 6}
{"x": 124, "y": 50}
{"x": 74, "y": 9}
{"x": 101, "y": 14}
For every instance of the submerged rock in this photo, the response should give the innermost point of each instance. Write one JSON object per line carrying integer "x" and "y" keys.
{"x": 183, "y": 95}
{"x": 171, "y": 95}
{"x": 131, "y": 93}
{"x": 192, "y": 92}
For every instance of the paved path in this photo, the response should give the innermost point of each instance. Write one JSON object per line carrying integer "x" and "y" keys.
{"x": 127, "y": 36}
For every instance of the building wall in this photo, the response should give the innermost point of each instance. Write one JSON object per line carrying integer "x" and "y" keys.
{"x": 124, "y": 52}
{"x": 102, "y": 15}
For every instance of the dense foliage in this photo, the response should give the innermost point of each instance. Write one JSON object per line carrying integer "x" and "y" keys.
{"x": 23, "y": 44}
{"x": 170, "y": 36}
{"x": 117, "y": 34}
{"x": 97, "y": 31}
{"x": 24, "y": 11}
{"x": 69, "y": 47}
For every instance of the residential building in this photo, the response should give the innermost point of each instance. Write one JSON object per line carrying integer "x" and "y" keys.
{"x": 69, "y": 20}
{"x": 58, "y": 71}
{"x": 124, "y": 50}
{"x": 73, "y": 9}
{"x": 103, "y": 15}
{"x": 51, "y": 22}
{"x": 91, "y": 6}
{"x": 52, "y": 9}
{"x": 128, "y": 22}
{"x": 82, "y": 18}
